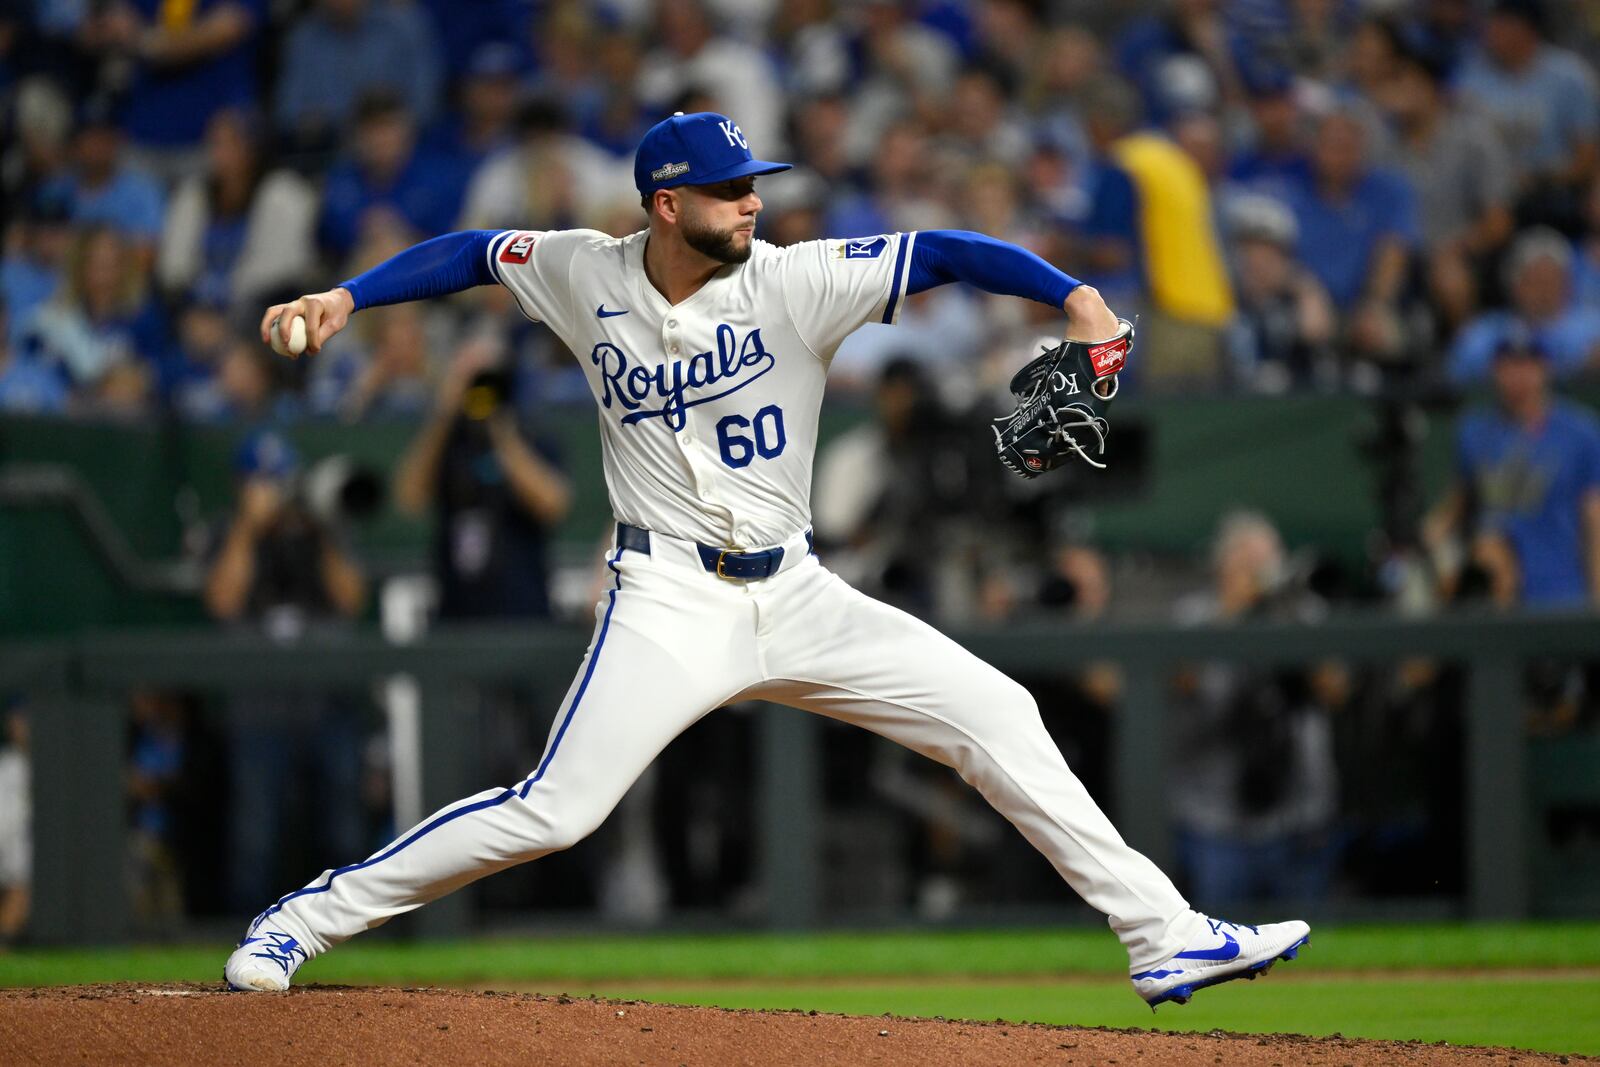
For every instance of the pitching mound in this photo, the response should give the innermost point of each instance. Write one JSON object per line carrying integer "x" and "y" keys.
{"x": 327, "y": 1025}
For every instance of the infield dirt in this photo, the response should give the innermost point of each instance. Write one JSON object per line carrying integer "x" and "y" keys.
{"x": 196, "y": 1024}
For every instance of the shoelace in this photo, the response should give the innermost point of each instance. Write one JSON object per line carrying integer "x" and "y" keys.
{"x": 1084, "y": 421}
{"x": 1217, "y": 925}
{"x": 280, "y": 949}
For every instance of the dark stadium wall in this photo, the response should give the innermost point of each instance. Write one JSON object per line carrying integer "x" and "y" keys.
{"x": 1298, "y": 458}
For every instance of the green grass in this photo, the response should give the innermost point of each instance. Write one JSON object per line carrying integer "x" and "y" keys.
{"x": 1545, "y": 1014}
{"x": 1338, "y": 984}
{"x": 917, "y": 953}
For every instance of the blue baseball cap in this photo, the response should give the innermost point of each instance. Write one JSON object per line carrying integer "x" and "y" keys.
{"x": 698, "y": 149}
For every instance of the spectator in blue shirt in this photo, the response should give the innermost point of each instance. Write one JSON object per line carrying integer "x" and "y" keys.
{"x": 482, "y": 122}
{"x": 345, "y": 49}
{"x": 608, "y": 113}
{"x": 1108, "y": 227}
{"x": 1180, "y": 56}
{"x": 30, "y": 269}
{"x": 1276, "y": 155}
{"x": 102, "y": 329}
{"x": 26, "y": 385}
{"x": 388, "y": 174}
{"x": 1528, "y": 487}
{"x": 1586, "y": 259}
{"x": 388, "y": 376}
{"x": 103, "y": 188}
{"x": 1462, "y": 175}
{"x": 191, "y": 381}
{"x": 251, "y": 388}
{"x": 1357, "y": 227}
{"x": 193, "y": 59}
{"x": 1539, "y": 275}
{"x": 1544, "y": 99}
{"x": 462, "y": 30}
{"x": 896, "y": 193}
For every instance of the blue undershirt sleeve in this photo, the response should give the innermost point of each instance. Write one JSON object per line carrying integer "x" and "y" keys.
{"x": 446, "y": 264}
{"x": 941, "y": 256}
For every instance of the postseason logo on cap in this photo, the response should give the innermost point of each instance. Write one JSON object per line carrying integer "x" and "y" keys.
{"x": 700, "y": 149}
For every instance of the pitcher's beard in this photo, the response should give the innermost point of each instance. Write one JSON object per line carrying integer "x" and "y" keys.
{"x": 716, "y": 244}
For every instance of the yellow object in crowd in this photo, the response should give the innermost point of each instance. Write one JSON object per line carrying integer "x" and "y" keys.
{"x": 1183, "y": 261}
{"x": 177, "y": 14}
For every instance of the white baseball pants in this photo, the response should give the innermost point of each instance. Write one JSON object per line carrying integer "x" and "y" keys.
{"x": 672, "y": 642}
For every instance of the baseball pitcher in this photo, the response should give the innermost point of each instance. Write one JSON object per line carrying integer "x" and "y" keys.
{"x": 707, "y": 351}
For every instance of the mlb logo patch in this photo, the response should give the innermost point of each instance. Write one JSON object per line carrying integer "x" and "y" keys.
{"x": 863, "y": 248}
{"x": 518, "y": 249}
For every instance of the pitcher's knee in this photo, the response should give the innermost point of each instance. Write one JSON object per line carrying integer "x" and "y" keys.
{"x": 1012, "y": 714}
{"x": 567, "y": 832}
{"x": 549, "y": 826}
{"x": 1012, "y": 699}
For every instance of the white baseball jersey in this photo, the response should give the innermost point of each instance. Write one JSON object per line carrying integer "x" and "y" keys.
{"x": 708, "y": 408}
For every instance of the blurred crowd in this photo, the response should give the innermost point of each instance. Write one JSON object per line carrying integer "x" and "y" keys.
{"x": 1322, "y": 194}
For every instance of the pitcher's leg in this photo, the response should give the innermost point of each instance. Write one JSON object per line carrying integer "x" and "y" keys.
{"x": 880, "y": 668}
{"x": 632, "y": 695}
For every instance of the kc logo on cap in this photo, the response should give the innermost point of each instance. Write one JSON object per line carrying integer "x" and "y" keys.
{"x": 699, "y": 149}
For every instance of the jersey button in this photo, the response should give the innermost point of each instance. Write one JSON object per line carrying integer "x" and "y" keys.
{"x": 673, "y": 348}
{"x": 672, "y": 324}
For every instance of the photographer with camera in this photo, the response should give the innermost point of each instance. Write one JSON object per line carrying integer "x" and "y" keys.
{"x": 1254, "y": 787}
{"x": 281, "y": 569}
{"x": 496, "y": 491}
{"x": 279, "y": 564}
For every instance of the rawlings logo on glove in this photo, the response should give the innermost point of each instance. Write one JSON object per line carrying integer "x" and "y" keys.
{"x": 1062, "y": 397}
{"x": 1108, "y": 357}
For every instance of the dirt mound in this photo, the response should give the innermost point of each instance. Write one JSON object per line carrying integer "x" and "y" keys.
{"x": 329, "y": 1025}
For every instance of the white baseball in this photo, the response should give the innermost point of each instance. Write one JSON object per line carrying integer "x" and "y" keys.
{"x": 297, "y": 337}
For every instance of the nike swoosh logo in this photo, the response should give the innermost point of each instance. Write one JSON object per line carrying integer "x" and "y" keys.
{"x": 604, "y": 314}
{"x": 1222, "y": 953}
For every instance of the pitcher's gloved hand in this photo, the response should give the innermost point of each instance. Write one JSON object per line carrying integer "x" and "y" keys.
{"x": 1062, "y": 398}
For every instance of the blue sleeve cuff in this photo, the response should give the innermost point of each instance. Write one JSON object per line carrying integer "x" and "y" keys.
{"x": 444, "y": 265}
{"x": 941, "y": 256}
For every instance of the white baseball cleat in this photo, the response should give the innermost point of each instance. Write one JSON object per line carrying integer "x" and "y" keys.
{"x": 1221, "y": 952}
{"x": 265, "y": 960}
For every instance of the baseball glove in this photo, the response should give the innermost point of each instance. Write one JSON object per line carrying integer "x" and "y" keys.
{"x": 1062, "y": 397}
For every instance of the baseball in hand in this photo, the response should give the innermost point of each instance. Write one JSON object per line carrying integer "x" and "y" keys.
{"x": 296, "y": 343}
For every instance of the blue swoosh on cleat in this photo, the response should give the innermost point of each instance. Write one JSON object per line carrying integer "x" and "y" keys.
{"x": 1222, "y": 953}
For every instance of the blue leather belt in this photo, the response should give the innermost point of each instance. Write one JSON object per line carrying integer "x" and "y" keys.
{"x": 723, "y": 562}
